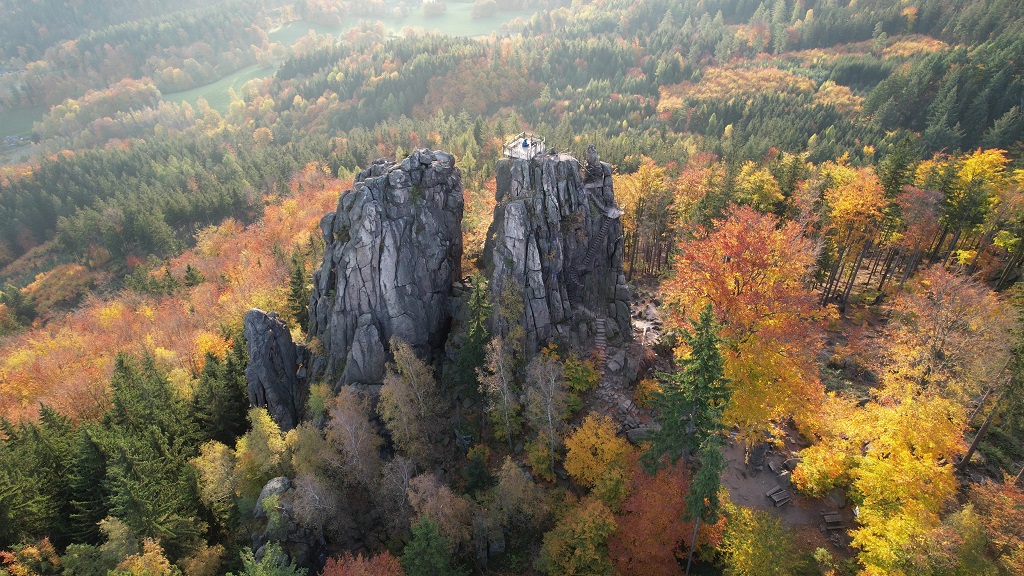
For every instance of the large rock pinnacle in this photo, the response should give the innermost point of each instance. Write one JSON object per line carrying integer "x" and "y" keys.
{"x": 273, "y": 373}
{"x": 393, "y": 249}
{"x": 556, "y": 241}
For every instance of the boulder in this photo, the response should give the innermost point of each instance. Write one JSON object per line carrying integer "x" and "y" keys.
{"x": 393, "y": 251}
{"x": 274, "y": 487}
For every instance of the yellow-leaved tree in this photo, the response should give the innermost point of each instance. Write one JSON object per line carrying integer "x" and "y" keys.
{"x": 753, "y": 269}
{"x": 597, "y": 458}
{"x": 645, "y": 199}
{"x": 905, "y": 476}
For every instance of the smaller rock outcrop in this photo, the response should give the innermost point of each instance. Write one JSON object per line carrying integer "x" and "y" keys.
{"x": 273, "y": 374}
{"x": 393, "y": 250}
{"x": 277, "y": 521}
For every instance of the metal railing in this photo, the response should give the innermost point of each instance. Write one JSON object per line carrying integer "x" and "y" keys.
{"x": 525, "y": 146}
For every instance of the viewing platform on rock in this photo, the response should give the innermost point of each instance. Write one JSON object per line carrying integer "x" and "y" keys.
{"x": 525, "y": 146}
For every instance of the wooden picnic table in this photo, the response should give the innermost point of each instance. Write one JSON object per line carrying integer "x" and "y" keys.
{"x": 833, "y": 521}
{"x": 779, "y": 496}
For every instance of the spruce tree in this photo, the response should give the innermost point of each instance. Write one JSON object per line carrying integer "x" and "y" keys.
{"x": 427, "y": 553}
{"x": 298, "y": 292}
{"x": 690, "y": 409}
{"x": 691, "y": 402}
{"x": 193, "y": 277}
{"x": 89, "y": 494}
{"x": 150, "y": 439}
{"x": 220, "y": 403}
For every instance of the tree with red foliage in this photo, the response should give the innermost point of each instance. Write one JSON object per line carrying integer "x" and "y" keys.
{"x": 383, "y": 564}
{"x": 651, "y": 529}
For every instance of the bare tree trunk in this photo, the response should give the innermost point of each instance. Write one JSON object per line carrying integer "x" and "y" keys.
{"x": 981, "y": 404}
{"x": 832, "y": 282}
{"x": 910, "y": 267}
{"x": 891, "y": 264}
{"x": 977, "y": 438}
{"x": 877, "y": 263}
{"x": 693, "y": 544}
{"x": 836, "y": 272}
{"x": 938, "y": 245}
{"x": 853, "y": 274}
{"x": 1007, "y": 386}
{"x": 1010, "y": 266}
{"x": 952, "y": 246}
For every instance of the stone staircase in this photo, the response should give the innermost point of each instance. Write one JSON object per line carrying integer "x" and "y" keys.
{"x": 601, "y": 344}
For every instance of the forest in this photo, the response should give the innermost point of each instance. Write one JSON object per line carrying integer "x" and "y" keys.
{"x": 822, "y": 222}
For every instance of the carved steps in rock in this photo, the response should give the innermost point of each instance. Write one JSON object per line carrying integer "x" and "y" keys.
{"x": 600, "y": 344}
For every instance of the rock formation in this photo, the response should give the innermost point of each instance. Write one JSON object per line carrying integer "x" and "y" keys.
{"x": 556, "y": 240}
{"x": 273, "y": 374}
{"x": 277, "y": 520}
{"x": 393, "y": 249}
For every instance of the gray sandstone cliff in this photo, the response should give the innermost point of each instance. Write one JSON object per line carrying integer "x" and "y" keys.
{"x": 393, "y": 250}
{"x": 556, "y": 238}
{"x": 273, "y": 373}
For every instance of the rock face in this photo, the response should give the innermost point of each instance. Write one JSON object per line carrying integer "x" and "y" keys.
{"x": 556, "y": 240}
{"x": 393, "y": 249}
{"x": 299, "y": 545}
{"x": 273, "y": 374}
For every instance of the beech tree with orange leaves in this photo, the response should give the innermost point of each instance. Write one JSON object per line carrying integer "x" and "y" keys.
{"x": 383, "y": 564}
{"x": 754, "y": 270}
{"x": 653, "y": 524}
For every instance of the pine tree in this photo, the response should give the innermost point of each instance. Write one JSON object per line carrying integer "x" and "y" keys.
{"x": 89, "y": 498}
{"x": 273, "y": 563}
{"x": 193, "y": 277}
{"x": 470, "y": 357}
{"x": 690, "y": 409}
{"x": 34, "y": 491}
{"x": 21, "y": 306}
{"x": 150, "y": 441}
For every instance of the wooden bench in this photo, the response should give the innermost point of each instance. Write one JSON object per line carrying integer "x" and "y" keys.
{"x": 779, "y": 496}
{"x": 833, "y": 522}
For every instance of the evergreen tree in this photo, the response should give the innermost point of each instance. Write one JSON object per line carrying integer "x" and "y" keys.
{"x": 691, "y": 402}
{"x": 273, "y": 563}
{"x": 22, "y": 308}
{"x": 298, "y": 292}
{"x": 427, "y": 553}
{"x": 89, "y": 494}
{"x": 690, "y": 409}
{"x": 702, "y": 504}
{"x": 896, "y": 170}
{"x": 150, "y": 441}
{"x": 470, "y": 357}
{"x": 193, "y": 277}
{"x": 35, "y": 459}
{"x": 221, "y": 402}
